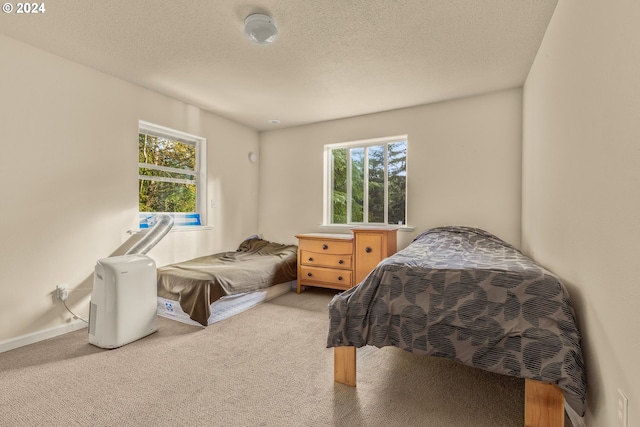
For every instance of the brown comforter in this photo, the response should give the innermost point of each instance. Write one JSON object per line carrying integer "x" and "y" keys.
{"x": 197, "y": 283}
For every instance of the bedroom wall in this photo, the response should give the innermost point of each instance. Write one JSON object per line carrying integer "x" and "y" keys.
{"x": 69, "y": 174}
{"x": 581, "y": 204}
{"x": 463, "y": 166}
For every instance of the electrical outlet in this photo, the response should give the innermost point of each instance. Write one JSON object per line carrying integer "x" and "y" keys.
{"x": 623, "y": 409}
{"x": 62, "y": 293}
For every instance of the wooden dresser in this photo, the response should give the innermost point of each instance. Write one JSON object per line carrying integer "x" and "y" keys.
{"x": 325, "y": 260}
{"x": 340, "y": 261}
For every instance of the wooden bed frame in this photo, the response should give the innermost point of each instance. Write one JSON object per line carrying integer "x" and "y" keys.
{"x": 543, "y": 402}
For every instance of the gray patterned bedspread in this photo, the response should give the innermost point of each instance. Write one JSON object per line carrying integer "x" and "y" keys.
{"x": 464, "y": 294}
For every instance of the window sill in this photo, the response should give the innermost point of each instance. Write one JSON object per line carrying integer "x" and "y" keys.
{"x": 177, "y": 229}
{"x": 403, "y": 228}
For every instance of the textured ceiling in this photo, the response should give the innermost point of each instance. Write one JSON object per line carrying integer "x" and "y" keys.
{"x": 332, "y": 59}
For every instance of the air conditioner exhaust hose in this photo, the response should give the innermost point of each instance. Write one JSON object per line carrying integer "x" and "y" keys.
{"x": 163, "y": 223}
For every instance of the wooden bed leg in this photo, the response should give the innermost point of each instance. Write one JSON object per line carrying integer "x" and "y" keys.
{"x": 344, "y": 365}
{"x": 543, "y": 404}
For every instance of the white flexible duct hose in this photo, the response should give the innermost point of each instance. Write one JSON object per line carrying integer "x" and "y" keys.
{"x": 163, "y": 224}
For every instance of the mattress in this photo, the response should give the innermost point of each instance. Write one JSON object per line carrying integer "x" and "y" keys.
{"x": 224, "y": 307}
{"x": 197, "y": 283}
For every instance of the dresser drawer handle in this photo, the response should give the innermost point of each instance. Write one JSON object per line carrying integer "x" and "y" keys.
{"x": 309, "y": 274}
{"x": 310, "y": 259}
{"x": 339, "y": 277}
{"x": 340, "y": 261}
{"x": 325, "y": 247}
{"x": 367, "y": 249}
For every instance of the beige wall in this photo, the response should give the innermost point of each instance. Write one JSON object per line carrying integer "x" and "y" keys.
{"x": 463, "y": 167}
{"x": 69, "y": 176}
{"x": 581, "y": 197}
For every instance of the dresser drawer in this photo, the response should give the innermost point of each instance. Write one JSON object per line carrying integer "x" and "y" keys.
{"x": 333, "y": 276}
{"x": 327, "y": 246}
{"x": 326, "y": 260}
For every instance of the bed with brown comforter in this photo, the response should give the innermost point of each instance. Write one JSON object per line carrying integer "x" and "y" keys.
{"x": 197, "y": 283}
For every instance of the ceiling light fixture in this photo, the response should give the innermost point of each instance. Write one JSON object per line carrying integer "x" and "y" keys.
{"x": 261, "y": 29}
{"x": 274, "y": 121}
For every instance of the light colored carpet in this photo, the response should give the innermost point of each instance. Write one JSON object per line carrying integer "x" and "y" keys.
{"x": 265, "y": 367}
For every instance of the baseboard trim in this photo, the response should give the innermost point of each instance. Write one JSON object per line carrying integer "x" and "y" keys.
{"x": 34, "y": 337}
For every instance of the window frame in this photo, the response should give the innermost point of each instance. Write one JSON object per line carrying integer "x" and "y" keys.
{"x": 328, "y": 181}
{"x": 200, "y": 172}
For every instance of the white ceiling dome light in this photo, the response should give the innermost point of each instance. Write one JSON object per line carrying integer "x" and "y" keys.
{"x": 261, "y": 29}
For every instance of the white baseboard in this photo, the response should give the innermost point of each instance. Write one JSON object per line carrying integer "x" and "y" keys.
{"x": 34, "y": 337}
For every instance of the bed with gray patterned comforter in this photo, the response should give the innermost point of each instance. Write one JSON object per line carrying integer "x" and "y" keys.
{"x": 464, "y": 294}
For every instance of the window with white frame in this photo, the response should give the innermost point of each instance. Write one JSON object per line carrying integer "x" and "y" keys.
{"x": 171, "y": 175}
{"x": 366, "y": 182}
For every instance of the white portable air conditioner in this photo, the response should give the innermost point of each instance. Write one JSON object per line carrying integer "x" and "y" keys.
{"x": 123, "y": 300}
